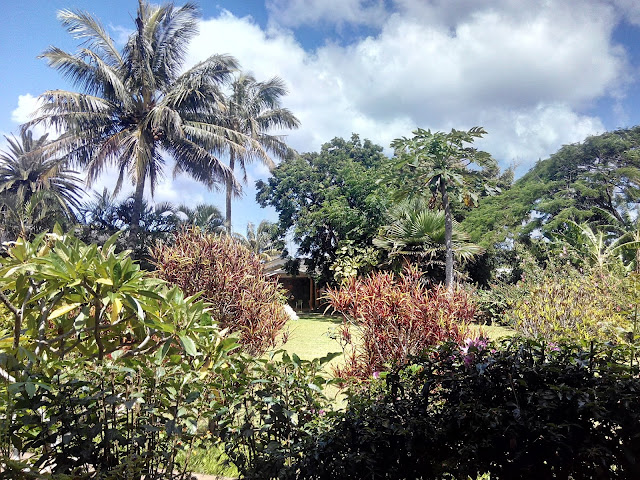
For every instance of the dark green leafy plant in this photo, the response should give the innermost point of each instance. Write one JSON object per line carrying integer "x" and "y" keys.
{"x": 515, "y": 409}
{"x": 277, "y": 407}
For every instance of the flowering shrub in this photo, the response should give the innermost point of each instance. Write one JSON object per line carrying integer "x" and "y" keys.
{"x": 515, "y": 409}
{"x": 389, "y": 318}
{"x": 573, "y": 306}
{"x": 231, "y": 279}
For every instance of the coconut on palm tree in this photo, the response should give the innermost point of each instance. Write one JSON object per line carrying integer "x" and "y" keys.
{"x": 36, "y": 189}
{"x": 252, "y": 108}
{"x": 136, "y": 108}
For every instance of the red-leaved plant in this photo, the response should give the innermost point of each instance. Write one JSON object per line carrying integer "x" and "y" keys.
{"x": 232, "y": 281}
{"x": 389, "y": 318}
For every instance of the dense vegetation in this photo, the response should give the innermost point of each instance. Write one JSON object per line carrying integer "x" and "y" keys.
{"x": 133, "y": 335}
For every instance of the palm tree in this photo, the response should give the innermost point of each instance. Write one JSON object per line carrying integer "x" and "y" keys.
{"x": 252, "y": 109}
{"x": 419, "y": 232}
{"x": 36, "y": 190}
{"x": 260, "y": 240}
{"x": 437, "y": 162}
{"x": 205, "y": 216}
{"x": 135, "y": 107}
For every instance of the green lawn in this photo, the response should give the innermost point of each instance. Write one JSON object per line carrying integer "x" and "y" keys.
{"x": 311, "y": 335}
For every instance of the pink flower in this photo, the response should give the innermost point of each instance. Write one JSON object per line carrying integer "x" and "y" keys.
{"x": 376, "y": 375}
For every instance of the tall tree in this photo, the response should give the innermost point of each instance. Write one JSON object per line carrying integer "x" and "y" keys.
{"x": 327, "y": 198}
{"x": 36, "y": 189}
{"x": 253, "y": 109}
{"x": 438, "y": 163}
{"x": 135, "y": 106}
{"x": 591, "y": 182}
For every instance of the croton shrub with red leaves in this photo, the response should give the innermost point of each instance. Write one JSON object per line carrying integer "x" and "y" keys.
{"x": 232, "y": 281}
{"x": 391, "y": 317}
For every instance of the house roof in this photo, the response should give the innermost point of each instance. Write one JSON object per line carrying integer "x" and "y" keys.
{"x": 276, "y": 268}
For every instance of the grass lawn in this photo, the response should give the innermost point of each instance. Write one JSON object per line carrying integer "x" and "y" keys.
{"x": 310, "y": 336}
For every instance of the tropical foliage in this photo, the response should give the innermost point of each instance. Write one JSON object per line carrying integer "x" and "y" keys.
{"x": 231, "y": 279}
{"x": 137, "y": 105}
{"x": 418, "y": 234}
{"x": 86, "y": 340}
{"x": 438, "y": 163}
{"x": 36, "y": 189}
{"x": 328, "y": 197}
{"x": 514, "y": 409}
{"x": 388, "y": 319}
{"x": 583, "y": 182}
{"x": 253, "y": 109}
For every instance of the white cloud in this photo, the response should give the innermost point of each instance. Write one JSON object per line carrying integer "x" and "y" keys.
{"x": 527, "y": 73}
{"x": 525, "y": 136}
{"x": 629, "y": 9}
{"x": 294, "y": 13}
{"x": 27, "y": 106}
{"x": 121, "y": 34}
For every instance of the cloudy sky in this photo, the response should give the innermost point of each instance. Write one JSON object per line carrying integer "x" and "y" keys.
{"x": 536, "y": 74}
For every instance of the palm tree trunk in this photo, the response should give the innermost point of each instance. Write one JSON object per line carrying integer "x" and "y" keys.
{"x": 227, "y": 221}
{"x": 138, "y": 197}
{"x": 448, "y": 235}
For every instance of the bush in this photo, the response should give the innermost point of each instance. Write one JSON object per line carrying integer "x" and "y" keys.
{"x": 231, "y": 279}
{"x": 277, "y": 407}
{"x": 573, "y": 305}
{"x": 518, "y": 409}
{"x": 104, "y": 368}
{"x": 388, "y": 318}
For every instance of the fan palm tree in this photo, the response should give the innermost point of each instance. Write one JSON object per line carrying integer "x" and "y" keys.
{"x": 252, "y": 108}
{"x": 135, "y": 107}
{"x": 36, "y": 190}
{"x": 420, "y": 232}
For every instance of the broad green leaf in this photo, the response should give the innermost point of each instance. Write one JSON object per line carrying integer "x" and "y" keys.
{"x": 30, "y": 389}
{"x": 189, "y": 345}
{"x": 58, "y": 312}
{"x": 116, "y": 307}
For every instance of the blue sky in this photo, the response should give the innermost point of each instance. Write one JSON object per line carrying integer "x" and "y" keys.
{"x": 535, "y": 74}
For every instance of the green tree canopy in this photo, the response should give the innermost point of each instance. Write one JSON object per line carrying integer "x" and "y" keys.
{"x": 583, "y": 182}
{"x": 328, "y": 197}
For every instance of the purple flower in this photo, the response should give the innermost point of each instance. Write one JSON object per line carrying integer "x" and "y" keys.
{"x": 376, "y": 375}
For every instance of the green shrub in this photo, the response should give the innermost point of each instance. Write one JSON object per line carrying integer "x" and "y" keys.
{"x": 104, "y": 369}
{"x": 277, "y": 407}
{"x": 573, "y": 305}
{"x": 231, "y": 279}
{"x": 388, "y": 318}
{"x": 518, "y": 409}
